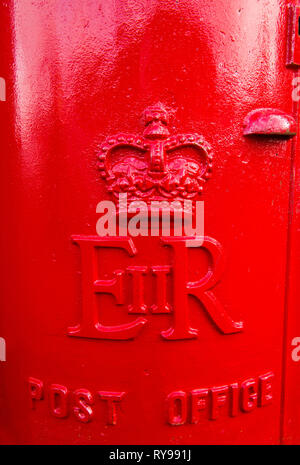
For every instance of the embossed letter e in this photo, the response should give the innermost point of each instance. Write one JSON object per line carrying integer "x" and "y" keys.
{"x": 90, "y": 327}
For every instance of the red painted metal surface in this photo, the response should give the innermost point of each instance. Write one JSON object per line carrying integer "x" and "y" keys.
{"x": 140, "y": 340}
{"x": 293, "y": 49}
{"x": 269, "y": 122}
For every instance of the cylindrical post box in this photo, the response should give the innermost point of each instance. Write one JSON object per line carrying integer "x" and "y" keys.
{"x": 138, "y": 335}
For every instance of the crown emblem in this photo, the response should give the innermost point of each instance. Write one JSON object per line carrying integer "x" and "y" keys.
{"x": 156, "y": 165}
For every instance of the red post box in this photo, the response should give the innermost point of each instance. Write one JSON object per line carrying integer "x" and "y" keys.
{"x": 137, "y": 338}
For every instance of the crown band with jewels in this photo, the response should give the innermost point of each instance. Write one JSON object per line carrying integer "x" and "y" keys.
{"x": 154, "y": 166}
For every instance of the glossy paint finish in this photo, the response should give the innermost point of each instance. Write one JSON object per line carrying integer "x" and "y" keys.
{"x": 78, "y": 72}
{"x": 269, "y": 122}
{"x": 293, "y": 48}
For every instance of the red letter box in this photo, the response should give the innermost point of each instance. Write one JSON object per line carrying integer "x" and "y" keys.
{"x": 150, "y": 222}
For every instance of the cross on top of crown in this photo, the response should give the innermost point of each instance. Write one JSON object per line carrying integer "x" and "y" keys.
{"x": 156, "y": 121}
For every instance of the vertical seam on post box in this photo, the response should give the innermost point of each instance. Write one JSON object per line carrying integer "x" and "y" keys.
{"x": 291, "y": 216}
